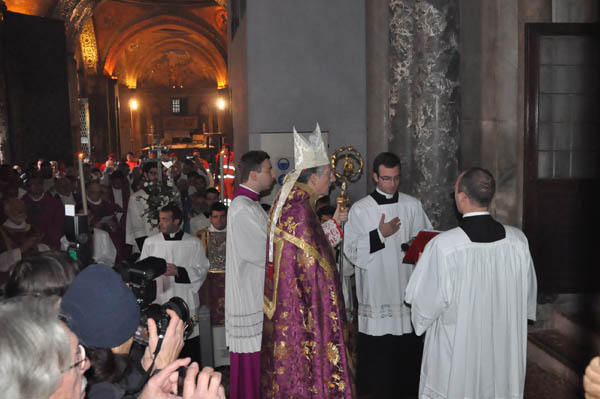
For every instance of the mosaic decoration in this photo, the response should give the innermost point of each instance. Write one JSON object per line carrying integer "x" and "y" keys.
{"x": 89, "y": 50}
{"x": 84, "y": 126}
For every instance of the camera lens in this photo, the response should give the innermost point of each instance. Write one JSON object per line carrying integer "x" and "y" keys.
{"x": 179, "y": 306}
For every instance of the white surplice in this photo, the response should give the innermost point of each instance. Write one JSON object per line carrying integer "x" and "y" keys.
{"x": 137, "y": 224}
{"x": 103, "y": 249}
{"x": 245, "y": 275}
{"x": 187, "y": 253}
{"x": 473, "y": 301}
{"x": 199, "y": 222}
{"x": 381, "y": 277}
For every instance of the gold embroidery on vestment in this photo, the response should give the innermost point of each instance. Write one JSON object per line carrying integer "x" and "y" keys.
{"x": 280, "y": 351}
{"x": 333, "y": 354}
{"x": 270, "y": 304}
{"x": 303, "y": 245}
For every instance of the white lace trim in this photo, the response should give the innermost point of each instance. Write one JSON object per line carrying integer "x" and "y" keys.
{"x": 429, "y": 393}
{"x": 383, "y": 311}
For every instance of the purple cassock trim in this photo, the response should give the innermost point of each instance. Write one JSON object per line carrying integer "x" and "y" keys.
{"x": 241, "y": 190}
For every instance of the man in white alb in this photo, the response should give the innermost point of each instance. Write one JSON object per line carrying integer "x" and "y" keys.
{"x": 244, "y": 279}
{"x": 187, "y": 267}
{"x": 138, "y": 228}
{"x": 472, "y": 291}
{"x": 377, "y": 227}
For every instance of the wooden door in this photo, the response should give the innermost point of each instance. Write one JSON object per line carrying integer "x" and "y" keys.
{"x": 562, "y": 155}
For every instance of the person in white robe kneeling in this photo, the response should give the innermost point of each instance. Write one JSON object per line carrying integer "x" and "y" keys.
{"x": 472, "y": 291}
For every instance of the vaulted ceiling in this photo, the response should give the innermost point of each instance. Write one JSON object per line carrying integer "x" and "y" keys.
{"x": 144, "y": 43}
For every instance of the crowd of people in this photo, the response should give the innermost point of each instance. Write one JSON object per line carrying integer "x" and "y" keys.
{"x": 270, "y": 276}
{"x": 88, "y": 310}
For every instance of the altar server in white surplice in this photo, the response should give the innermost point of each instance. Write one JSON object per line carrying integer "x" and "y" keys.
{"x": 137, "y": 227}
{"x": 187, "y": 267}
{"x": 472, "y": 292}
{"x": 377, "y": 227}
{"x": 245, "y": 276}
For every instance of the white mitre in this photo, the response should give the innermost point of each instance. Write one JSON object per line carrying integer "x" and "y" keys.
{"x": 308, "y": 154}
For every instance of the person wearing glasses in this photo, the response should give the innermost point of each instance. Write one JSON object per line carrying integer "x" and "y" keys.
{"x": 377, "y": 227}
{"x": 104, "y": 315}
{"x": 39, "y": 356}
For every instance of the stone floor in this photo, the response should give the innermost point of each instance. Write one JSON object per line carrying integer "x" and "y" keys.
{"x": 541, "y": 385}
{"x": 538, "y": 385}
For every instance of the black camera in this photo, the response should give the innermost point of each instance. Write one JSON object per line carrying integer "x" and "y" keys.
{"x": 141, "y": 277}
{"x": 159, "y": 314}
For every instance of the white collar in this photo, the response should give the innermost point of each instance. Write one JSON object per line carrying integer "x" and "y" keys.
{"x": 38, "y": 198}
{"x": 10, "y": 224}
{"x": 469, "y": 214}
{"x": 386, "y": 195}
{"x": 95, "y": 203}
{"x": 172, "y": 235}
{"x": 248, "y": 188}
{"x": 212, "y": 229}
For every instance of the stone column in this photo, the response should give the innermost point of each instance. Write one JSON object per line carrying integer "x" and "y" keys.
{"x": 424, "y": 106}
{"x": 377, "y": 24}
{"x": 4, "y": 144}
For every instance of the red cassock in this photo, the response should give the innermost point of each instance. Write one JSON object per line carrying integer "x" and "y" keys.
{"x": 48, "y": 216}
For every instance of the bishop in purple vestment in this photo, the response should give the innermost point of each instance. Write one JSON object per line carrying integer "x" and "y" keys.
{"x": 304, "y": 354}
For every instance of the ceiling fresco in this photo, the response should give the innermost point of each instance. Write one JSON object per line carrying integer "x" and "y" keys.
{"x": 143, "y": 43}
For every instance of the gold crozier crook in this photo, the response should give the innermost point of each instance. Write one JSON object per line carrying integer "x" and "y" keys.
{"x": 350, "y": 173}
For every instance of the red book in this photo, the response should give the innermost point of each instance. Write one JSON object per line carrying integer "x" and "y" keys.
{"x": 418, "y": 245}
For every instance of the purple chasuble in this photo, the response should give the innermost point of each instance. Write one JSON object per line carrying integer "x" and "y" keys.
{"x": 303, "y": 350}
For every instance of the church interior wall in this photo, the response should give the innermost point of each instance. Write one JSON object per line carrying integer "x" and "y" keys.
{"x": 489, "y": 86}
{"x": 34, "y": 61}
{"x": 492, "y": 87}
{"x": 377, "y": 38}
{"x": 238, "y": 83}
{"x": 305, "y": 64}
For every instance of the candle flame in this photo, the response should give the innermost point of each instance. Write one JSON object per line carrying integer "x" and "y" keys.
{"x": 80, "y": 155}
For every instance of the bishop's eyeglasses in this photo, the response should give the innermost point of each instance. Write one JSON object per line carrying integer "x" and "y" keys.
{"x": 80, "y": 359}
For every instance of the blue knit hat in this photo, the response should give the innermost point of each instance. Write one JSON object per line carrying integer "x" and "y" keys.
{"x": 101, "y": 310}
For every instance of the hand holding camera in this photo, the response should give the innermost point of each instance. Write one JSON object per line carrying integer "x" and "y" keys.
{"x": 203, "y": 385}
{"x": 172, "y": 343}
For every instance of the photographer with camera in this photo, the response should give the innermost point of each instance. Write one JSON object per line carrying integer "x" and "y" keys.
{"x": 205, "y": 384}
{"x": 187, "y": 267}
{"x": 104, "y": 315}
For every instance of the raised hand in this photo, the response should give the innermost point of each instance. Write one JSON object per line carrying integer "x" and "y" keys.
{"x": 389, "y": 228}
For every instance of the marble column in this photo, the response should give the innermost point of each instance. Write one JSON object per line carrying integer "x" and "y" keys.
{"x": 424, "y": 103}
